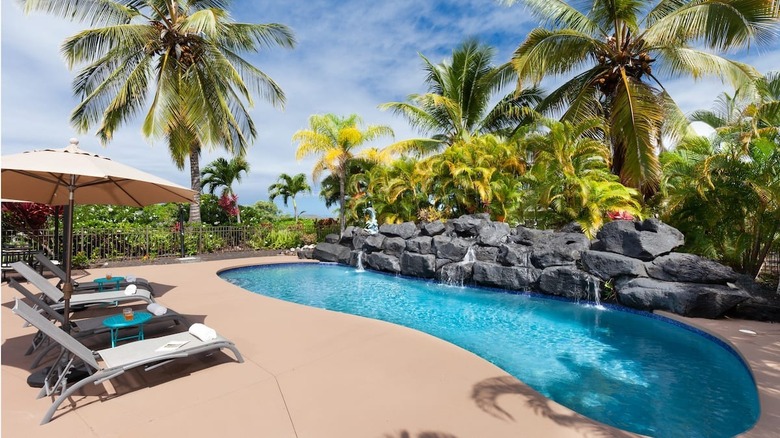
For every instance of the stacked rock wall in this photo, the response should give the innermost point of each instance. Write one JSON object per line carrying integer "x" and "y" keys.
{"x": 633, "y": 258}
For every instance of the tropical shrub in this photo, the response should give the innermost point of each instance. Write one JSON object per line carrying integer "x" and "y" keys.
{"x": 281, "y": 239}
{"x": 80, "y": 260}
{"x": 259, "y": 213}
{"x": 570, "y": 180}
{"x": 725, "y": 198}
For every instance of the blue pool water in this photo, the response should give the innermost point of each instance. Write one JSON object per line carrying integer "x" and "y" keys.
{"x": 631, "y": 370}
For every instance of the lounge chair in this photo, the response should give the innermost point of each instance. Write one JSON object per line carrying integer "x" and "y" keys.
{"x": 56, "y": 296}
{"x": 116, "y": 360}
{"x": 80, "y": 286}
{"x": 78, "y": 328}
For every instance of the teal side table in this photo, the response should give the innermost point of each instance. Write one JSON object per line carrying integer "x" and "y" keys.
{"x": 116, "y": 322}
{"x": 104, "y": 282}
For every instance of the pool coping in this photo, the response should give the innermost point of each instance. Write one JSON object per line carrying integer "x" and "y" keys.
{"x": 316, "y": 373}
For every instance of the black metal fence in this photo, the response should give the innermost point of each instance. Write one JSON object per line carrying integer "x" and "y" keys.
{"x": 91, "y": 245}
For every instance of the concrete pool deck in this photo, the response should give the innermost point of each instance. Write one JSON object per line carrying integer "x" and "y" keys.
{"x": 314, "y": 373}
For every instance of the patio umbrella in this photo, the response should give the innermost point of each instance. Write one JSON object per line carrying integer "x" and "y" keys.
{"x": 71, "y": 176}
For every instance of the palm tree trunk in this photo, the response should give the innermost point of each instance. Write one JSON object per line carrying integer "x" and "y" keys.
{"x": 295, "y": 210}
{"x": 238, "y": 210}
{"x": 342, "y": 201}
{"x": 195, "y": 184}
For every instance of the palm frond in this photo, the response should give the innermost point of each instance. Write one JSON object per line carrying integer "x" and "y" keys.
{"x": 545, "y": 52}
{"x": 720, "y": 25}
{"x": 558, "y": 14}
{"x": 662, "y": 9}
{"x": 636, "y": 118}
{"x": 94, "y": 12}
{"x": 255, "y": 37}
{"x": 575, "y": 99}
{"x": 675, "y": 126}
{"x": 708, "y": 117}
{"x": 416, "y": 115}
{"x": 675, "y": 60}
{"x": 418, "y": 147}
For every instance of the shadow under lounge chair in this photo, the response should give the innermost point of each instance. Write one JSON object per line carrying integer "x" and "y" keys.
{"x": 81, "y": 286}
{"x": 79, "y": 328}
{"x": 116, "y": 361}
{"x": 56, "y": 296}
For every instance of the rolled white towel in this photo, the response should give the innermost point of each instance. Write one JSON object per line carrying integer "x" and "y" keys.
{"x": 157, "y": 309}
{"x": 130, "y": 278}
{"x": 131, "y": 289}
{"x": 203, "y": 332}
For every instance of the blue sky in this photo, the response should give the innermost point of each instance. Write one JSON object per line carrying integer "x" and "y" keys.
{"x": 352, "y": 55}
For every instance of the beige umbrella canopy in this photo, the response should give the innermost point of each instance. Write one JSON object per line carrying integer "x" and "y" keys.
{"x": 46, "y": 176}
{"x": 71, "y": 176}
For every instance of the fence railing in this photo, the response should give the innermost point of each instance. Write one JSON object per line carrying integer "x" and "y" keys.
{"x": 153, "y": 242}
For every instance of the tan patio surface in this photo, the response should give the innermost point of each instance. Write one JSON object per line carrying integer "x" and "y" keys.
{"x": 314, "y": 373}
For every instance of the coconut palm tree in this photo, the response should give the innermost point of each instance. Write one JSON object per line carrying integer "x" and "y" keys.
{"x": 179, "y": 61}
{"x": 336, "y": 141}
{"x": 616, "y": 50}
{"x": 223, "y": 173}
{"x": 288, "y": 187}
{"x": 457, "y": 104}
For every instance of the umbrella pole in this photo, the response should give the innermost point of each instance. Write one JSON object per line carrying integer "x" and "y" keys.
{"x": 67, "y": 288}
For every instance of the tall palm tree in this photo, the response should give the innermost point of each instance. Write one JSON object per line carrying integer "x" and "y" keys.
{"x": 336, "y": 141}
{"x": 223, "y": 173}
{"x": 616, "y": 48}
{"x": 457, "y": 104}
{"x": 182, "y": 59}
{"x": 288, "y": 187}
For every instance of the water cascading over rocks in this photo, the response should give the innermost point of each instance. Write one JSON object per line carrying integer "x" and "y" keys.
{"x": 633, "y": 258}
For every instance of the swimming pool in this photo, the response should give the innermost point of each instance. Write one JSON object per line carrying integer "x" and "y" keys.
{"x": 635, "y": 371}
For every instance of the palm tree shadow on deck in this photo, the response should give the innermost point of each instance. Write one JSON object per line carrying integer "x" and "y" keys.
{"x": 486, "y": 393}
{"x": 424, "y": 434}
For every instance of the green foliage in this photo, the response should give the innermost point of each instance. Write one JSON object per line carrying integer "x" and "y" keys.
{"x": 726, "y": 200}
{"x": 259, "y": 213}
{"x": 282, "y": 239}
{"x": 222, "y": 173}
{"x": 570, "y": 179}
{"x": 210, "y": 211}
{"x": 80, "y": 260}
{"x": 723, "y": 193}
{"x": 111, "y": 216}
{"x": 203, "y": 242}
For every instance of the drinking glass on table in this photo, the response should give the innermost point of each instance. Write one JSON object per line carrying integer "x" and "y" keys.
{"x": 128, "y": 314}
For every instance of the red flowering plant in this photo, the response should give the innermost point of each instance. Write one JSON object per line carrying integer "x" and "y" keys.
{"x": 229, "y": 203}
{"x": 620, "y": 215}
{"x": 28, "y": 217}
